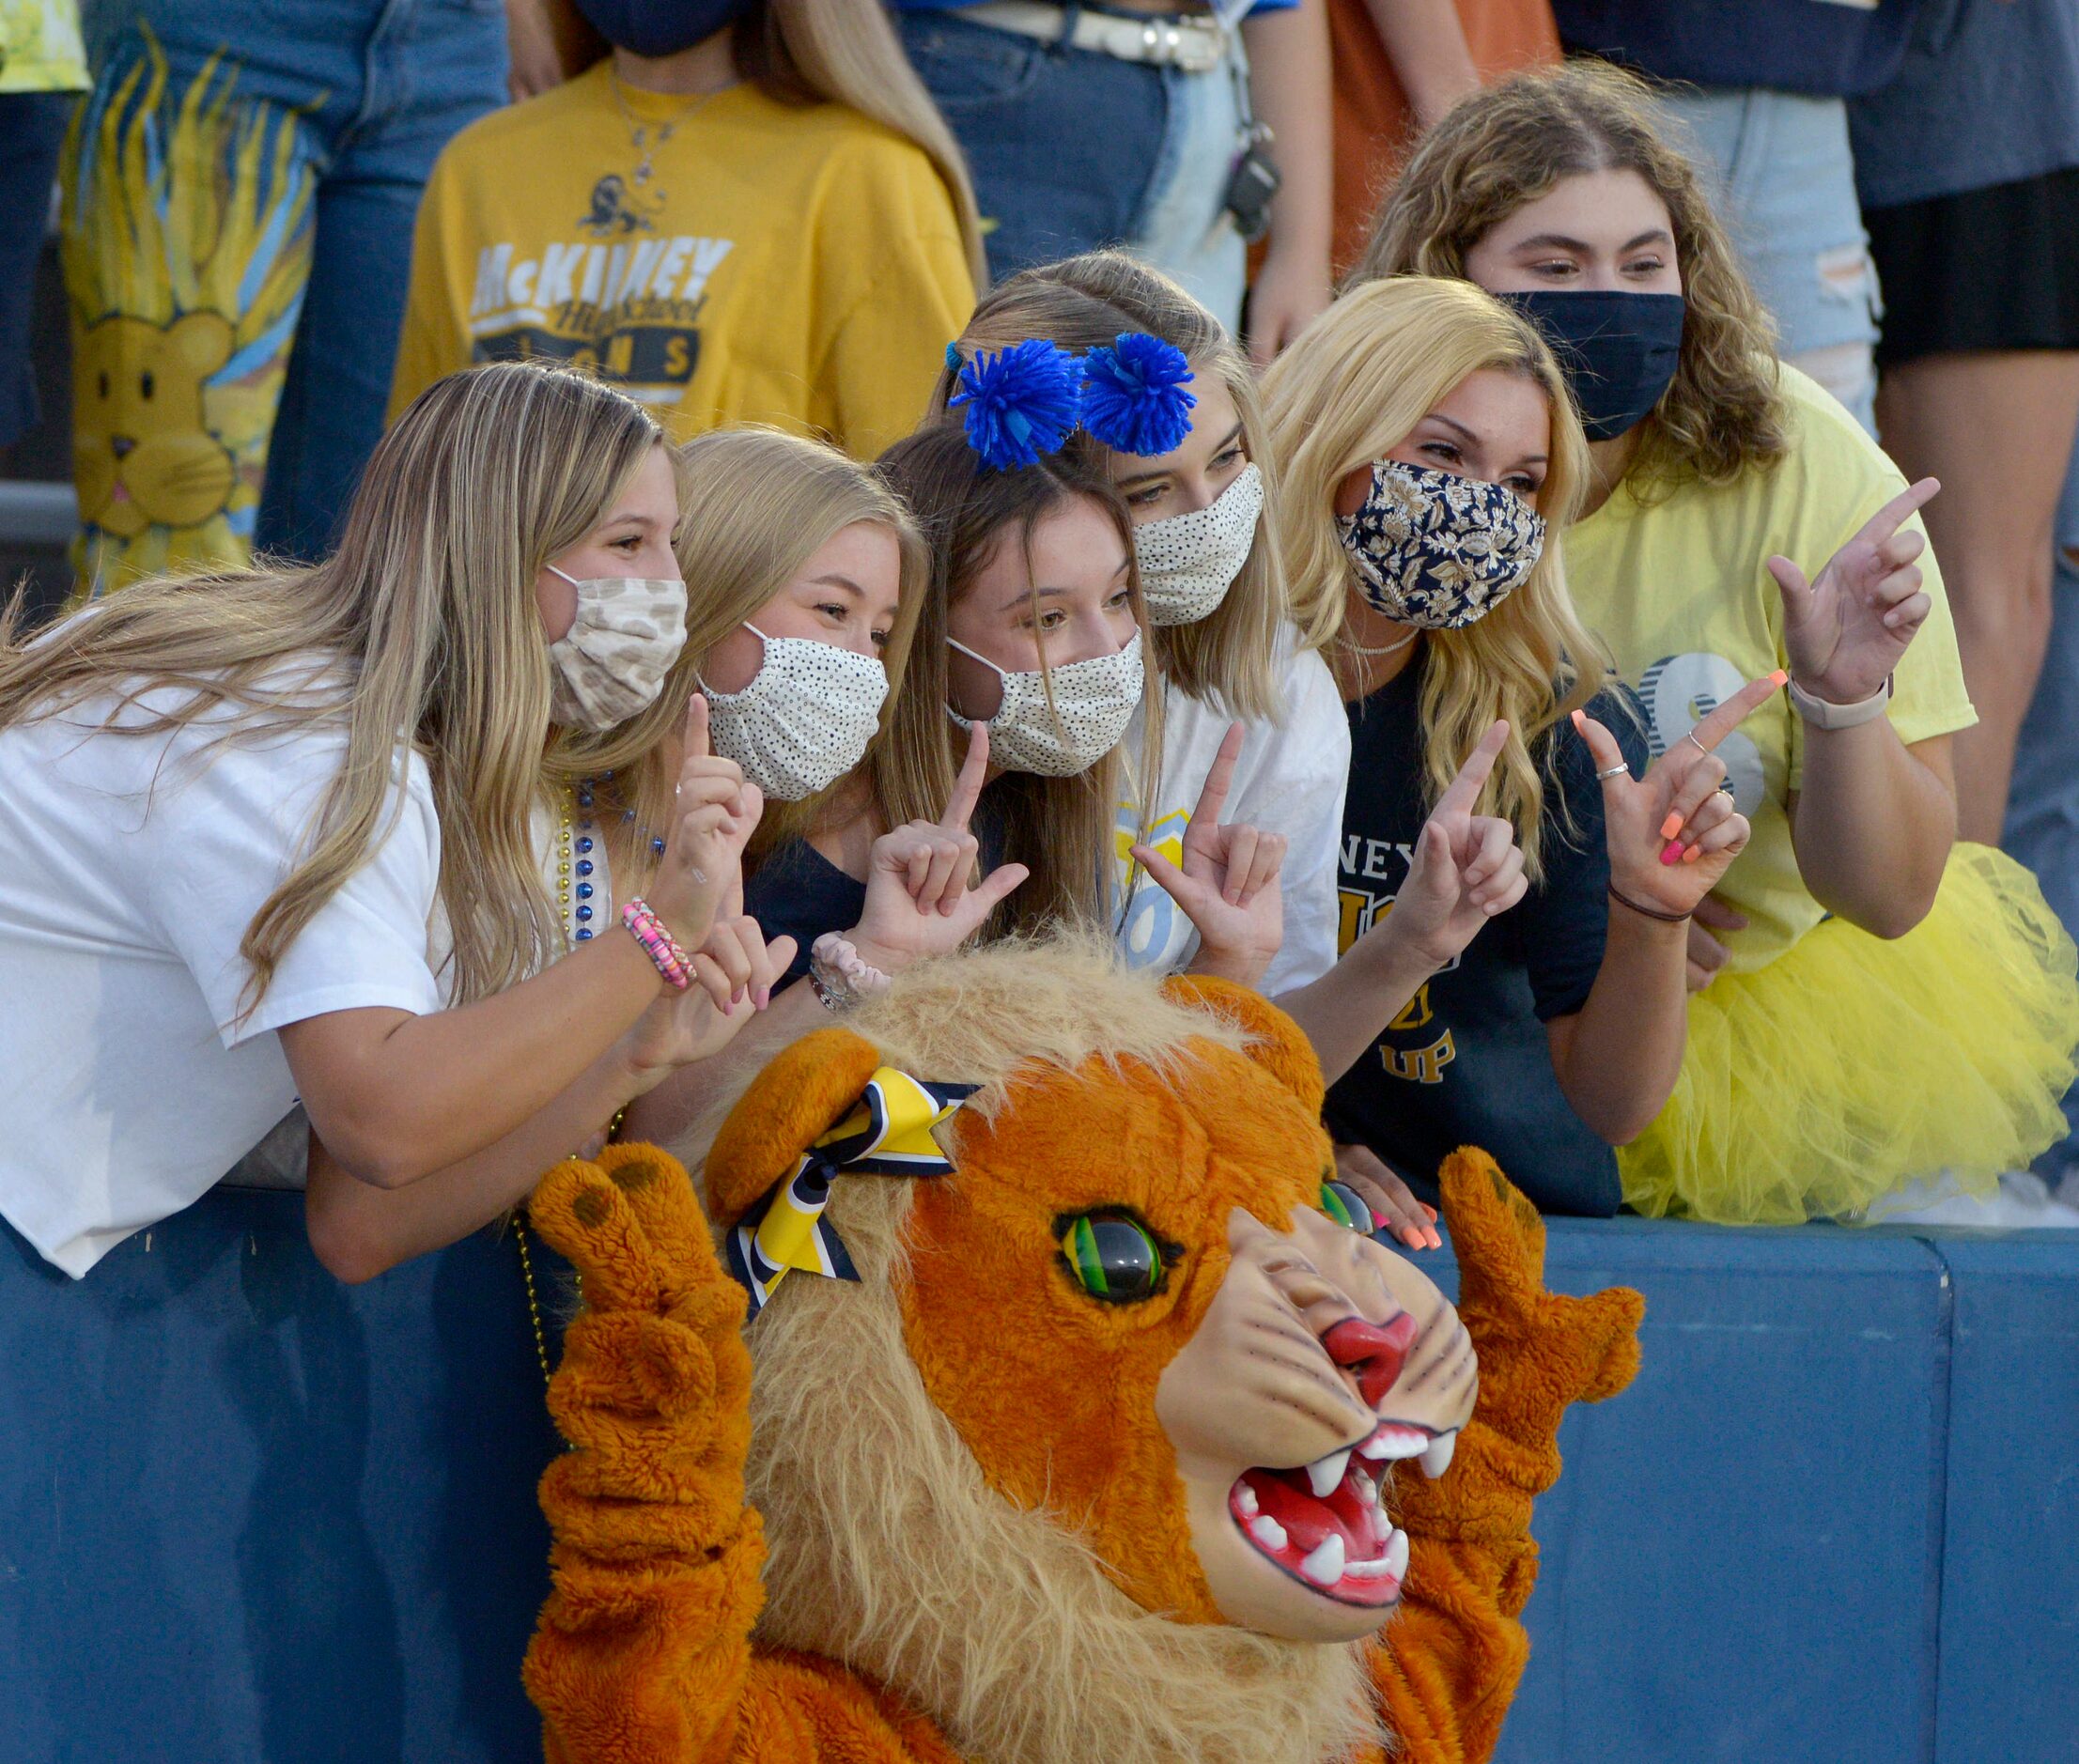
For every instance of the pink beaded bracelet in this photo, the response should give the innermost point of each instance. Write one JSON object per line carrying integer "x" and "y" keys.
{"x": 658, "y": 943}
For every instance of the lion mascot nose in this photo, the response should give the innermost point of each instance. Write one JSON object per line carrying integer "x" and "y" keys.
{"x": 1375, "y": 1352}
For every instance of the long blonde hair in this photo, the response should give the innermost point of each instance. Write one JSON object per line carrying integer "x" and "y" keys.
{"x": 1509, "y": 146}
{"x": 1351, "y": 388}
{"x": 1085, "y": 302}
{"x": 1061, "y": 827}
{"x": 421, "y": 627}
{"x": 846, "y": 53}
{"x": 759, "y": 503}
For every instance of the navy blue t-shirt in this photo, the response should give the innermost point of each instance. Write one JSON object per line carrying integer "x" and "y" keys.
{"x": 1467, "y": 1063}
{"x": 799, "y": 893}
{"x": 1820, "y": 47}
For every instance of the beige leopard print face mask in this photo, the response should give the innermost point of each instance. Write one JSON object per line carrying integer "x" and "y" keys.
{"x": 611, "y": 663}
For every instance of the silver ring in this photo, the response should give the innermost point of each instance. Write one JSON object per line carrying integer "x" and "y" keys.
{"x": 1615, "y": 771}
{"x": 1691, "y": 738}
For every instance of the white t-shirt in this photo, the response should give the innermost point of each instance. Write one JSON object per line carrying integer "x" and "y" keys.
{"x": 1290, "y": 779}
{"x": 129, "y": 868}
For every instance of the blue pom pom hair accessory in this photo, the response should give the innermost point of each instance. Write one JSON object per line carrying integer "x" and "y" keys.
{"x": 1022, "y": 402}
{"x": 1133, "y": 395}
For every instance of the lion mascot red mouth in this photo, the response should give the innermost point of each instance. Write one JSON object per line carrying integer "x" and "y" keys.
{"x": 1111, "y": 1441}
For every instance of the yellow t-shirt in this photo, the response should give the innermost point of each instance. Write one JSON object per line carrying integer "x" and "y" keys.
{"x": 1681, "y": 591}
{"x": 799, "y": 265}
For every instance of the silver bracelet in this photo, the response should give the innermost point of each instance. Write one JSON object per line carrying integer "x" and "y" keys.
{"x": 1823, "y": 713}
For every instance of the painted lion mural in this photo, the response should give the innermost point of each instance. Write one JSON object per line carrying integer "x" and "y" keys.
{"x": 1110, "y": 1438}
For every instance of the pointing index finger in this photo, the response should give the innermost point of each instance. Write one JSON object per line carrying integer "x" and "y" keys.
{"x": 1726, "y": 718}
{"x": 695, "y": 737}
{"x": 1465, "y": 789}
{"x": 966, "y": 788}
{"x": 1898, "y": 510}
{"x": 1219, "y": 777}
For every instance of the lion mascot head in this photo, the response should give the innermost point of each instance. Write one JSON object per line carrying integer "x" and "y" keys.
{"x": 1065, "y": 1427}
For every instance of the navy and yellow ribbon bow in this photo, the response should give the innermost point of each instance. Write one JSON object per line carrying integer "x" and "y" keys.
{"x": 888, "y": 1134}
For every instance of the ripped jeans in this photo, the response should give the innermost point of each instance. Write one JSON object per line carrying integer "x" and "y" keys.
{"x": 1785, "y": 184}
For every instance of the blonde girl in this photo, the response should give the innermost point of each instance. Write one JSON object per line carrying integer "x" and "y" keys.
{"x": 269, "y": 835}
{"x": 747, "y": 212}
{"x": 1871, "y": 1005}
{"x": 1431, "y": 460}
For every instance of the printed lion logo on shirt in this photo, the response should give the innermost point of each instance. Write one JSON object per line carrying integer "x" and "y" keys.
{"x": 143, "y": 452}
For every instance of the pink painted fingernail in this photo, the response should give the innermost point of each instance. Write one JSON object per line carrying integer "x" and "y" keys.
{"x": 1671, "y": 852}
{"x": 765, "y": 997}
{"x": 1378, "y": 1219}
{"x": 1671, "y": 825}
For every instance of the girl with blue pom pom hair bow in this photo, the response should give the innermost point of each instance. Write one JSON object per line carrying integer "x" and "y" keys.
{"x": 1171, "y": 415}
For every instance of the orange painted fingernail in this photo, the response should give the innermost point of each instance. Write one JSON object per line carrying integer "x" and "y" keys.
{"x": 1578, "y": 717}
{"x": 1671, "y": 852}
{"x": 1779, "y": 678}
{"x": 1692, "y": 854}
{"x": 1436, "y": 1241}
{"x": 1671, "y": 825}
{"x": 1411, "y": 1237}
{"x": 1428, "y": 1209}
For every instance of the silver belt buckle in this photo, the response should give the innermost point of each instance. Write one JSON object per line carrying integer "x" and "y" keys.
{"x": 1164, "y": 45}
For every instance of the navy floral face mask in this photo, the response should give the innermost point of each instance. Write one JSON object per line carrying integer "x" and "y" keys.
{"x": 1439, "y": 550}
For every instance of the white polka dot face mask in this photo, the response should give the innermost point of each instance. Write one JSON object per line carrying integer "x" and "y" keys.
{"x": 805, "y": 718}
{"x": 1189, "y": 561}
{"x": 1096, "y": 700}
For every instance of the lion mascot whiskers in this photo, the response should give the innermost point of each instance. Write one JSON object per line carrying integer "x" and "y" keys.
{"x": 1066, "y": 1423}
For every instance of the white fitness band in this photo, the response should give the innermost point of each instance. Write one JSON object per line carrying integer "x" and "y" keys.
{"x": 1822, "y": 714}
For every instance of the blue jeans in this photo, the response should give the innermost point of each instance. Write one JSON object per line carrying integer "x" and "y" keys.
{"x": 1785, "y": 184}
{"x": 1072, "y": 150}
{"x": 265, "y": 321}
{"x": 32, "y": 124}
{"x": 2042, "y": 804}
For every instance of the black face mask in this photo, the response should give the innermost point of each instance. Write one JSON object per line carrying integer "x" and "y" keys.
{"x": 1619, "y": 350}
{"x": 659, "y": 27}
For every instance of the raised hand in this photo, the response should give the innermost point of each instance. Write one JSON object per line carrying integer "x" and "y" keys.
{"x": 1229, "y": 884}
{"x": 714, "y": 813}
{"x": 1466, "y": 866}
{"x": 1845, "y": 630}
{"x": 1672, "y": 833}
{"x": 917, "y": 902}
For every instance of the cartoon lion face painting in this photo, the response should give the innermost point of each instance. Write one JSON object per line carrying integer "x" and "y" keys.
{"x": 143, "y": 453}
{"x": 1094, "y": 1457}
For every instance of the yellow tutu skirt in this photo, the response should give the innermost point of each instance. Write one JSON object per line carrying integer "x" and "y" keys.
{"x": 1849, "y": 1065}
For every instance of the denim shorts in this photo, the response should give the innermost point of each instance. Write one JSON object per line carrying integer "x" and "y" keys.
{"x": 1072, "y": 150}
{"x": 1785, "y": 186}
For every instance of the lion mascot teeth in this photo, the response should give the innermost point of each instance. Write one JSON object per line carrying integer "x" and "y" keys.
{"x": 1072, "y": 1421}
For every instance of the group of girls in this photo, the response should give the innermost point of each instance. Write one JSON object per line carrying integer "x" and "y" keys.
{"x": 1437, "y": 683}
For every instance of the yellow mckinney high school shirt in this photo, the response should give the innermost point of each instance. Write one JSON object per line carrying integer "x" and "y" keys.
{"x": 792, "y": 264}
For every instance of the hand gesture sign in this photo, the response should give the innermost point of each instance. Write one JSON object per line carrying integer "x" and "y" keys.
{"x": 714, "y": 813}
{"x": 735, "y": 969}
{"x": 1466, "y": 866}
{"x": 917, "y": 902}
{"x": 1672, "y": 833}
{"x": 1229, "y": 883}
{"x": 1845, "y": 631}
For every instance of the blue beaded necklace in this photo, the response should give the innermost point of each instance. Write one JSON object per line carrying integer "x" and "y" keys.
{"x": 577, "y": 859}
